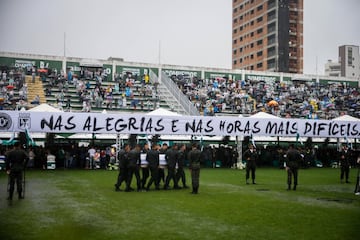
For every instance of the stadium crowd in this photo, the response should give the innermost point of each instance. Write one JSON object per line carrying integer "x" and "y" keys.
{"x": 297, "y": 99}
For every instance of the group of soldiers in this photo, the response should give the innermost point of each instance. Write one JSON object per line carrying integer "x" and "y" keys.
{"x": 152, "y": 162}
{"x": 293, "y": 160}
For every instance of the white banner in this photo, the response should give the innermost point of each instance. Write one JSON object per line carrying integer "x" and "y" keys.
{"x": 68, "y": 122}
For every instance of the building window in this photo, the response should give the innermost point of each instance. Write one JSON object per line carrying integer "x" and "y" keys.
{"x": 252, "y": 12}
{"x": 234, "y": 52}
{"x": 240, "y": 60}
{"x": 259, "y": 30}
{"x": 259, "y": 54}
{"x": 271, "y": 27}
{"x": 259, "y": 19}
{"x": 235, "y": 10}
{"x": 241, "y": 17}
{"x": 271, "y": 39}
{"x": 241, "y": 38}
{"x": 241, "y": 28}
{"x": 235, "y": 62}
{"x": 235, "y": 31}
{"x": 350, "y": 56}
{"x": 235, "y": 1}
{"x": 251, "y": 34}
{"x": 271, "y": 63}
{"x": 252, "y": 45}
{"x": 271, "y": 15}
{"x": 235, "y": 41}
{"x": 240, "y": 49}
{"x": 259, "y": 42}
{"x": 252, "y": 23}
{"x": 259, "y": 8}
{"x": 235, "y": 20}
{"x": 271, "y": 4}
{"x": 241, "y": 7}
{"x": 259, "y": 65}
{"x": 251, "y": 67}
{"x": 252, "y": 56}
{"x": 271, "y": 51}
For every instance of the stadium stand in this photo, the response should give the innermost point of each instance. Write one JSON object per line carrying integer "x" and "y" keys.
{"x": 95, "y": 89}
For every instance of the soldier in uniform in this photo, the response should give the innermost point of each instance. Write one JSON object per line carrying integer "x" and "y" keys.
{"x": 345, "y": 156}
{"x": 194, "y": 160}
{"x": 123, "y": 163}
{"x": 144, "y": 168}
{"x": 134, "y": 168}
{"x": 161, "y": 173}
{"x": 251, "y": 158}
{"x": 180, "y": 174}
{"x": 171, "y": 160}
{"x": 292, "y": 163}
{"x": 16, "y": 161}
{"x": 152, "y": 157}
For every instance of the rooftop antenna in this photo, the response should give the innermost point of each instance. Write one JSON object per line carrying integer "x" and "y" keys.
{"x": 64, "y": 44}
{"x": 64, "y": 58}
{"x": 159, "y": 52}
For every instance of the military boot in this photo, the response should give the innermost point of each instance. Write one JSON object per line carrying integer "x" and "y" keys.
{"x": 20, "y": 196}
{"x": 10, "y": 197}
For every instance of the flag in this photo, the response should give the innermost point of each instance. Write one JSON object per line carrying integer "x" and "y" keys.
{"x": 253, "y": 141}
{"x": 9, "y": 142}
{"x": 347, "y": 141}
{"x": 30, "y": 140}
{"x": 298, "y": 138}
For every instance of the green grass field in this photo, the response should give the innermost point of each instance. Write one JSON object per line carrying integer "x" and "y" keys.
{"x": 82, "y": 204}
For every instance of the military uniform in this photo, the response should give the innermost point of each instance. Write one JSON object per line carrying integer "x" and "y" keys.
{"x": 133, "y": 168}
{"x": 251, "y": 158}
{"x": 161, "y": 171}
{"x": 180, "y": 174}
{"x": 194, "y": 160}
{"x": 344, "y": 159}
{"x": 15, "y": 164}
{"x": 153, "y": 159}
{"x": 171, "y": 159}
{"x": 123, "y": 164}
{"x": 293, "y": 161}
{"x": 144, "y": 169}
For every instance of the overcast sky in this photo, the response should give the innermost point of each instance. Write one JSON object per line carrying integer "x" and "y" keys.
{"x": 187, "y": 32}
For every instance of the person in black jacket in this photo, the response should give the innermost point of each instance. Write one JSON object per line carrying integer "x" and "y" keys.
{"x": 152, "y": 157}
{"x": 251, "y": 157}
{"x": 171, "y": 160}
{"x": 16, "y": 161}
{"x": 144, "y": 167}
{"x": 161, "y": 172}
{"x": 180, "y": 174}
{"x": 292, "y": 164}
{"x": 123, "y": 163}
{"x": 194, "y": 160}
{"x": 344, "y": 159}
{"x": 134, "y": 168}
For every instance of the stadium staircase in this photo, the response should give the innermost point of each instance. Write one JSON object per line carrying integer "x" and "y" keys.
{"x": 34, "y": 89}
{"x": 171, "y": 94}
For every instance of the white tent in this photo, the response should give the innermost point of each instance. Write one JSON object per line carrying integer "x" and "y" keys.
{"x": 44, "y": 108}
{"x": 162, "y": 112}
{"x": 263, "y": 115}
{"x": 346, "y": 118}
